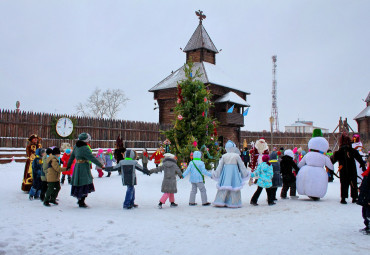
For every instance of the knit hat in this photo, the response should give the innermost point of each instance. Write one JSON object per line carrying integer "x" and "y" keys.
{"x": 289, "y": 153}
{"x": 84, "y": 137}
{"x": 68, "y": 151}
{"x": 356, "y": 138}
{"x": 49, "y": 151}
{"x": 109, "y": 150}
{"x": 317, "y": 133}
{"x": 169, "y": 155}
{"x": 56, "y": 151}
{"x": 265, "y": 158}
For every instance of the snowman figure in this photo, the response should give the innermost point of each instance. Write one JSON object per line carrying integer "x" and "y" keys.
{"x": 312, "y": 179}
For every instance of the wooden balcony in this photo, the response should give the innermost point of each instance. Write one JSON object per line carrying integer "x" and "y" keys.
{"x": 230, "y": 119}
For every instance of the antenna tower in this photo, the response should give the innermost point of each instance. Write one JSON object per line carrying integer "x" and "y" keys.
{"x": 274, "y": 109}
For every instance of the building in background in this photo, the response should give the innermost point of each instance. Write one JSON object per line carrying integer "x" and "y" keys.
{"x": 226, "y": 93}
{"x": 302, "y": 126}
{"x": 363, "y": 122}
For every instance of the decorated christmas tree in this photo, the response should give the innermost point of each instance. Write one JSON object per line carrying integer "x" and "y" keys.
{"x": 194, "y": 129}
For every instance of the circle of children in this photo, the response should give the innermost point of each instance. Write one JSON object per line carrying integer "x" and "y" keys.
{"x": 309, "y": 173}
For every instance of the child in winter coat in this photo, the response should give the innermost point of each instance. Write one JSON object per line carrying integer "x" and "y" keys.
{"x": 264, "y": 172}
{"x": 276, "y": 179}
{"x": 364, "y": 199}
{"x": 128, "y": 168}
{"x": 109, "y": 159}
{"x": 158, "y": 155}
{"x": 44, "y": 182}
{"x": 169, "y": 184}
{"x": 197, "y": 171}
{"x": 53, "y": 177}
{"x": 289, "y": 178}
{"x": 35, "y": 190}
{"x": 100, "y": 157}
{"x": 64, "y": 161}
{"x": 145, "y": 158}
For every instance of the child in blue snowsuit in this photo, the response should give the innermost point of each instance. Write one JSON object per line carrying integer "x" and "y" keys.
{"x": 35, "y": 190}
{"x": 264, "y": 173}
{"x": 197, "y": 171}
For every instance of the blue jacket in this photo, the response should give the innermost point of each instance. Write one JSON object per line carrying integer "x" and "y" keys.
{"x": 264, "y": 173}
{"x": 37, "y": 165}
{"x": 195, "y": 176}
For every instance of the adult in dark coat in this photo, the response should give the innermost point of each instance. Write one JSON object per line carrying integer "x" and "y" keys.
{"x": 245, "y": 156}
{"x": 82, "y": 179}
{"x": 276, "y": 179}
{"x": 364, "y": 200}
{"x": 346, "y": 157}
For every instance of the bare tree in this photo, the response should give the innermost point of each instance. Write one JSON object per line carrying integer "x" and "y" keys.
{"x": 114, "y": 99}
{"x": 103, "y": 104}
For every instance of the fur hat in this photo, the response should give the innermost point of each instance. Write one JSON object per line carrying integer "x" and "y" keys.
{"x": 56, "y": 151}
{"x": 84, "y": 137}
{"x": 33, "y": 136}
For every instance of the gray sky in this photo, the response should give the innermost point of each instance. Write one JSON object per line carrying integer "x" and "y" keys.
{"x": 54, "y": 53}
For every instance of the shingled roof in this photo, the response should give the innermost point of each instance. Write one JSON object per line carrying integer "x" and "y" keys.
{"x": 211, "y": 74}
{"x": 368, "y": 98}
{"x": 200, "y": 39}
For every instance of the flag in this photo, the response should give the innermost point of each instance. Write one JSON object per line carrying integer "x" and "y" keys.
{"x": 245, "y": 112}
{"x": 231, "y": 109}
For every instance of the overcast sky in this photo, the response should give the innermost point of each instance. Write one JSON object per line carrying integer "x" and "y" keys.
{"x": 54, "y": 53}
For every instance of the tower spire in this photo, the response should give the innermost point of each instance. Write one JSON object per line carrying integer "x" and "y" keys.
{"x": 201, "y": 16}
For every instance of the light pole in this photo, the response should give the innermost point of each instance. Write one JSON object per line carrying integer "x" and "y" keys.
{"x": 271, "y": 125}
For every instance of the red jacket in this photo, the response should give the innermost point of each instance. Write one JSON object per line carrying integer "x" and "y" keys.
{"x": 65, "y": 159}
{"x": 157, "y": 157}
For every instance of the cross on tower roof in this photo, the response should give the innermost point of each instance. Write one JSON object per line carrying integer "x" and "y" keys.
{"x": 201, "y": 16}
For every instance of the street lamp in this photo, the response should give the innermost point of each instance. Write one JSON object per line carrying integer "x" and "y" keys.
{"x": 271, "y": 125}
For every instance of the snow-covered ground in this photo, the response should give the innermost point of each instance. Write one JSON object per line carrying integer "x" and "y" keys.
{"x": 290, "y": 227}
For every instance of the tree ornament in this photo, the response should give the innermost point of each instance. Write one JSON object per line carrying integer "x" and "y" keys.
{"x": 203, "y": 114}
{"x": 195, "y": 143}
{"x": 205, "y": 100}
{"x": 179, "y": 117}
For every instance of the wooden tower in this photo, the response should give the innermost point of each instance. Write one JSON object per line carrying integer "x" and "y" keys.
{"x": 202, "y": 52}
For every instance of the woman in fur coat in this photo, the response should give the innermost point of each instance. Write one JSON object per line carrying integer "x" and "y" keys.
{"x": 231, "y": 175}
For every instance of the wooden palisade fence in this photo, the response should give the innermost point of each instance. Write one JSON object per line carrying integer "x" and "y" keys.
{"x": 15, "y": 128}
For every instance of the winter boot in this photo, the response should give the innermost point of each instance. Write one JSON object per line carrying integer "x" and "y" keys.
{"x": 354, "y": 200}
{"x": 69, "y": 179}
{"x": 272, "y": 203}
{"x": 343, "y": 201}
{"x": 254, "y": 203}
{"x": 81, "y": 203}
{"x": 63, "y": 179}
{"x": 192, "y": 204}
{"x": 173, "y": 204}
{"x": 206, "y": 204}
{"x": 30, "y": 197}
{"x": 135, "y": 206}
{"x": 363, "y": 230}
{"x": 54, "y": 202}
{"x": 47, "y": 204}
{"x": 160, "y": 205}
{"x": 109, "y": 173}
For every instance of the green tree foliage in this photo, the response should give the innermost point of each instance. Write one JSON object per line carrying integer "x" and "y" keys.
{"x": 194, "y": 128}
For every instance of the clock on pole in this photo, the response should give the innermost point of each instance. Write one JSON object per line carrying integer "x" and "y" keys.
{"x": 64, "y": 127}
